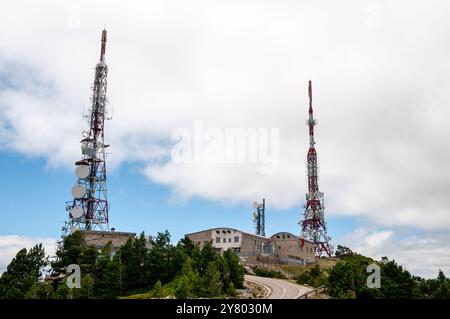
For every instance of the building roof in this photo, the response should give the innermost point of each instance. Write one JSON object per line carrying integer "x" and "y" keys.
{"x": 107, "y": 232}
{"x": 262, "y": 237}
{"x": 226, "y": 228}
{"x": 289, "y": 234}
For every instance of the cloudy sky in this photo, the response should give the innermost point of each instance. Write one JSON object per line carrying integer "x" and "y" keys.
{"x": 380, "y": 72}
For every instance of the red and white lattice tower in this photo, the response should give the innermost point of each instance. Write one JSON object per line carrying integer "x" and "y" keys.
{"x": 89, "y": 208}
{"x": 314, "y": 227}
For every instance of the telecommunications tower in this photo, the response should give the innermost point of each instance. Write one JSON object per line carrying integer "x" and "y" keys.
{"x": 314, "y": 227}
{"x": 259, "y": 218}
{"x": 89, "y": 208}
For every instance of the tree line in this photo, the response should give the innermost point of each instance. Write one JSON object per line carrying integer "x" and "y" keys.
{"x": 159, "y": 269}
{"x": 138, "y": 269}
{"x": 348, "y": 279}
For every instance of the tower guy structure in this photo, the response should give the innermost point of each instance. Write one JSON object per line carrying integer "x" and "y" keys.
{"x": 89, "y": 208}
{"x": 314, "y": 227}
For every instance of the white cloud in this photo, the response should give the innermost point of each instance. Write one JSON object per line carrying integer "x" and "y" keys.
{"x": 422, "y": 255}
{"x": 11, "y": 244}
{"x": 380, "y": 79}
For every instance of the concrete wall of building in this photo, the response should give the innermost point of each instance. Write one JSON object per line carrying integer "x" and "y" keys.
{"x": 285, "y": 247}
{"x": 289, "y": 248}
{"x": 100, "y": 238}
{"x": 252, "y": 245}
{"x": 201, "y": 238}
{"x": 224, "y": 238}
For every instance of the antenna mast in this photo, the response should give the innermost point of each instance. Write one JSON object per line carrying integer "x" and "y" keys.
{"x": 89, "y": 209}
{"x": 313, "y": 225}
{"x": 259, "y": 218}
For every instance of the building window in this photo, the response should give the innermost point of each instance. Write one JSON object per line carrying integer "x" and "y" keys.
{"x": 229, "y": 240}
{"x": 224, "y": 240}
{"x": 217, "y": 240}
{"x": 236, "y": 239}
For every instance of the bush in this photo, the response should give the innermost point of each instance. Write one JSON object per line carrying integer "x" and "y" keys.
{"x": 231, "y": 291}
{"x": 314, "y": 277}
{"x": 263, "y": 272}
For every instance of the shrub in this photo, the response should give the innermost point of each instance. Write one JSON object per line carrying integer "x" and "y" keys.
{"x": 263, "y": 272}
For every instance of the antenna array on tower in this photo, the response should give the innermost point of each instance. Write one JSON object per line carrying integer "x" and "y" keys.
{"x": 89, "y": 209}
{"x": 314, "y": 227}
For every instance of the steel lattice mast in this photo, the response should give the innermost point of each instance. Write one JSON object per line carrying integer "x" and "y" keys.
{"x": 89, "y": 209}
{"x": 259, "y": 218}
{"x": 313, "y": 225}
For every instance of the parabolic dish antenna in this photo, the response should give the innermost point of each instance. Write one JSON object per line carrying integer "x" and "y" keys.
{"x": 82, "y": 171}
{"x": 255, "y": 205}
{"x": 78, "y": 191}
{"x": 76, "y": 212}
{"x": 84, "y": 148}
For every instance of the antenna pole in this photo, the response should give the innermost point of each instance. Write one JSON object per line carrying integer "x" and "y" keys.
{"x": 103, "y": 49}
{"x": 263, "y": 218}
{"x": 259, "y": 218}
{"x": 313, "y": 224}
{"x": 89, "y": 210}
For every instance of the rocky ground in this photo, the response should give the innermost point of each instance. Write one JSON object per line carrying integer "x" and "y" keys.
{"x": 252, "y": 291}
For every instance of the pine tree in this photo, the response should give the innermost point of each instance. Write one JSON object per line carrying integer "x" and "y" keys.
{"x": 212, "y": 282}
{"x": 87, "y": 286}
{"x": 158, "y": 291}
{"x": 23, "y": 272}
{"x": 236, "y": 269}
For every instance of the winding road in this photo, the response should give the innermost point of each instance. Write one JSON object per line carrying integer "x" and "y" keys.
{"x": 278, "y": 288}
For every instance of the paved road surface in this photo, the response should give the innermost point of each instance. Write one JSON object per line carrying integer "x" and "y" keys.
{"x": 279, "y": 288}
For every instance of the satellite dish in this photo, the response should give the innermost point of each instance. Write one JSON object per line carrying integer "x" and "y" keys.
{"x": 76, "y": 212}
{"x": 78, "y": 191}
{"x": 255, "y": 205}
{"x": 255, "y": 215}
{"x": 82, "y": 171}
{"x": 84, "y": 148}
